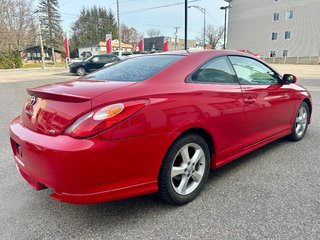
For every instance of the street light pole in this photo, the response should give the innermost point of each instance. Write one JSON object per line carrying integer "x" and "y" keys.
{"x": 119, "y": 32}
{"x": 225, "y": 24}
{"x": 225, "y": 8}
{"x": 203, "y": 10}
{"x": 186, "y": 25}
{"x": 41, "y": 45}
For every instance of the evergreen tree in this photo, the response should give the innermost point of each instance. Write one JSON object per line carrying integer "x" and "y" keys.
{"x": 51, "y": 24}
{"x": 92, "y": 26}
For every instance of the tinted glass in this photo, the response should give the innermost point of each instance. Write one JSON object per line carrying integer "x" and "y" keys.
{"x": 215, "y": 71}
{"x": 104, "y": 58}
{"x": 250, "y": 71}
{"x": 135, "y": 69}
{"x": 95, "y": 59}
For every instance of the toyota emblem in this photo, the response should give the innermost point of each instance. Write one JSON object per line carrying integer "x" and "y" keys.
{"x": 32, "y": 100}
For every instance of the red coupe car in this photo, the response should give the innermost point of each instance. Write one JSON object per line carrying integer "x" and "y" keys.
{"x": 155, "y": 123}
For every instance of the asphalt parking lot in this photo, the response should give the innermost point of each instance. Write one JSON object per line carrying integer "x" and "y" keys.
{"x": 272, "y": 193}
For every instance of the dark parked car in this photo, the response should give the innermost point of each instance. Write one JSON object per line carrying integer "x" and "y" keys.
{"x": 92, "y": 64}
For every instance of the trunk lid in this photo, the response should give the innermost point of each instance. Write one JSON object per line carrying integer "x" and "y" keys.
{"x": 50, "y": 109}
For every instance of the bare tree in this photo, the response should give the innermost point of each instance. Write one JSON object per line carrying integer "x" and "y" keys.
{"x": 214, "y": 35}
{"x": 129, "y": 34}
{"x": 153, "y": 32}
{"x": 17, "y": 27}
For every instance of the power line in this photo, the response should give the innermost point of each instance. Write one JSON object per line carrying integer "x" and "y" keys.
{"x": 163, "y": 6}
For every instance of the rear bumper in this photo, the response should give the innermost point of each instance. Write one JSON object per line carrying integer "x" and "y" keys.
{"x": 87, "y": 170}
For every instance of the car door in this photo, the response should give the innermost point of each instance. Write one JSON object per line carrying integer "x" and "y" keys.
{"x": 93, "y": 64}
{"x": 218, "y": 94}
{"x": 268, "y": 104}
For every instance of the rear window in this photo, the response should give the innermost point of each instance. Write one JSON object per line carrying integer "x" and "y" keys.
{"x": 135, "y": 69}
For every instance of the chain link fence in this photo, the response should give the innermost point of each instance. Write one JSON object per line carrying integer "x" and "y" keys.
{"x": 294, "y": 60}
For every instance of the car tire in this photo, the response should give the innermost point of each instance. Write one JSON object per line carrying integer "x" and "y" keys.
{"x": 185, "y": 170}
{"x": 81, "y": 71}
{"x": 300, "y": 124}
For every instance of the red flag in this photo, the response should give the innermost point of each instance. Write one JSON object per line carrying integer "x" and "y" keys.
{"x": 140, "y": 45}
{"x": 66, "y": 47}
{"x": 166, "y": 46}
{"x": 108, "y": 43}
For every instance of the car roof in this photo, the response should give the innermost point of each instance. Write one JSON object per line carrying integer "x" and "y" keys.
{"x": 203, "y": 53}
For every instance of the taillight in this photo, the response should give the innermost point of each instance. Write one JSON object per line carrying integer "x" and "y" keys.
{"x": 103, "y": 118}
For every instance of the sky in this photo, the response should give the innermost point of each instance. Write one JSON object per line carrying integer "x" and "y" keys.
{"x": 164, "y": 19}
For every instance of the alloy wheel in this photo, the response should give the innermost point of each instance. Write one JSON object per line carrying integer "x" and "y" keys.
{"x": 301, "y": 121}
{"x": 188, "y": 169}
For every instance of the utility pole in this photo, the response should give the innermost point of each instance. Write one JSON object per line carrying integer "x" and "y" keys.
{"x": 119, "y": 36}
{"x": 41, "y": 45}
{"x": 225, "y": 8}
{"x": 186, "y": 25}
{"x": 176, "y": 38}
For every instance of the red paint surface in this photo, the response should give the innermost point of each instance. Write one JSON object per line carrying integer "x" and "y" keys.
{"x": 66, "y": 47}
{"x": 166, "y": 46}
{"x": 140, "y": 45}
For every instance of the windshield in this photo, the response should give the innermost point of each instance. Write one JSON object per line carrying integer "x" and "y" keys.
{"x": 135, "y": 69}
{"x": 88, "y": 59}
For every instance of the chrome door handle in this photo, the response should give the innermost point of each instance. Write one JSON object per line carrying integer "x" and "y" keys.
{"x": 249, "y": 100}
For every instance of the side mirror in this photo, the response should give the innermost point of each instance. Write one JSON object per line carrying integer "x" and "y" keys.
{"x": 289, "y": 78}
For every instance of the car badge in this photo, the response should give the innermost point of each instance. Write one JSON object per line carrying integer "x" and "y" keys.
{"x": 32, "y": 100}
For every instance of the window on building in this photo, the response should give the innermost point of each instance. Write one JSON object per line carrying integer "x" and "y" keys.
{"x": 274, "y": 36}
{"x": 290, "y": 15}
{"x": 287, "y": 35}
{"x": 285, "y": 53}
{"x": 273, "y": 54}
{"x": 276, "y": 17}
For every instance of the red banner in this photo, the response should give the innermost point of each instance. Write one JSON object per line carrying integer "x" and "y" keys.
{"x": 166, "y": 46}
{"x": 140, "y": 45}
{"x": 66, "y": 47}
{"x": 108, "y": 43}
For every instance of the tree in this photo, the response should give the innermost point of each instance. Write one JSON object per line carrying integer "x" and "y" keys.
{"x": 153, "y": 32}
{"x": 17, "y": 27}
{"x": 214, "y": 35}
{"x": 92, "y": 26}
{"x": 50, "y": 19}
{"x": 129, "y": 34}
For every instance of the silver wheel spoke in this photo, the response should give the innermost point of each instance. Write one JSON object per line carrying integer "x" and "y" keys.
{"x": 183, "y": 185}
{"x": 176, "y": 171}
{"x": 185, "y": 154}
{"x": 304, "y": 116}
{"x": 196, "y": 176}
{"x": 197, "y": 156}
{"x": 298, "y": 128}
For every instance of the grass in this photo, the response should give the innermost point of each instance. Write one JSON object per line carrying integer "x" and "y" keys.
{"x": 38, "y": 65}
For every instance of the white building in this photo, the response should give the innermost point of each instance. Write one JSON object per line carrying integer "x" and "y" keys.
{"x": 275, "y": 28}
{"x": 100, "y": 48}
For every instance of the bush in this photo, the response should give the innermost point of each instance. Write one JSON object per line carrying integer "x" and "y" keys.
{"x": 10, "y": 59}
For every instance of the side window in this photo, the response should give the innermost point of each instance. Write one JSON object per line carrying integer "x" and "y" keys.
{"x": 251, "y": 71}
{"x": 104, "y": 58}
{"x": 216, "y": 71}
{"x": 95, "y": 59}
